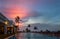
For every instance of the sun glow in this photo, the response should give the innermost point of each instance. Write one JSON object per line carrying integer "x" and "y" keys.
{"x": 19, "y": 24}
{"x": 22, "y": 12}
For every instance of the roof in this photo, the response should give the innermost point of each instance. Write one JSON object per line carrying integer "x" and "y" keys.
{"x": 2, "y": 17}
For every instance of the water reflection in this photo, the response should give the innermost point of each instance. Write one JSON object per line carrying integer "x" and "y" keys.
{"x": 28, "y": 35}
{"x": 32, "y": 36}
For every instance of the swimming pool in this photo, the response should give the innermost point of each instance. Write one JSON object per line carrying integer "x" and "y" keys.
{"x": 33, "y": 36}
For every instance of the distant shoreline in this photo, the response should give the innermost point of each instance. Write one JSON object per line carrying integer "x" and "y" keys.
{"x": 51, "y": 33}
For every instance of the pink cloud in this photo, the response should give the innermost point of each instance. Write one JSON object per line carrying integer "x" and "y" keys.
{"x": 12, "y": 12}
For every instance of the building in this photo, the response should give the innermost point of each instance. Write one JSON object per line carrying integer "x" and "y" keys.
{"x": 3, "y": 24}
{"x": 6, "y": 25}
{"x": 10, "y": 28}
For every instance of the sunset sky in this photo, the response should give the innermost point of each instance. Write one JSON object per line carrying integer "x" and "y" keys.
{"x": 32, "y": 11}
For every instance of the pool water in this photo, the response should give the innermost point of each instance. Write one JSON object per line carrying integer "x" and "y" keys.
{"x": 33, "y": 36}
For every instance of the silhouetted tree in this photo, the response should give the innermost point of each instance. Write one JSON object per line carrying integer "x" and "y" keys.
{"x": 27, "y": 30}
{"x": 58, "y": 31}
{"x": 29, "y": 25}
{"x": 41, "y": 31}
{"x": 35, "y": 28}
{"x": 47, "y": 31}
{"x": 17, "y": 19}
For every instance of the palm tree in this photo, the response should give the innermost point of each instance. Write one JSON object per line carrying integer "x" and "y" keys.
{"x": 17, "y": 19}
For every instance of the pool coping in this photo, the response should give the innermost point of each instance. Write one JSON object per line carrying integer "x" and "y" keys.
{"x": 9, "y": 36}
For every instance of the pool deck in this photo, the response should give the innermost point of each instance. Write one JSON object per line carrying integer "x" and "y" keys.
{"x": 9, "y": 37}
{"x": 2, "y": 36}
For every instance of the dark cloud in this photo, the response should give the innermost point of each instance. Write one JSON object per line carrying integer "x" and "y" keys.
{"x": 35, "y": 14}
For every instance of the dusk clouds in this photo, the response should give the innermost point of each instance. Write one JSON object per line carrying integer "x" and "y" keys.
{"x": 33, "y": 11}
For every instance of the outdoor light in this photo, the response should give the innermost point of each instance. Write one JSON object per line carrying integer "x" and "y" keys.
{"x": 6, "y": 22}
